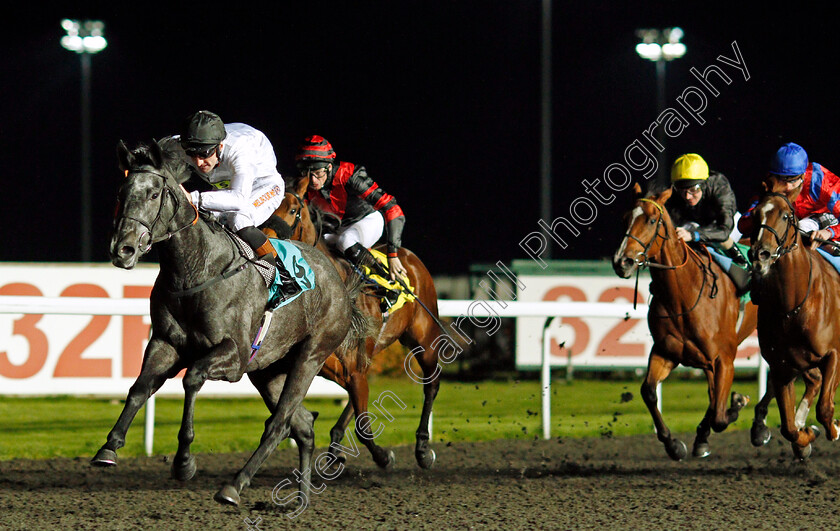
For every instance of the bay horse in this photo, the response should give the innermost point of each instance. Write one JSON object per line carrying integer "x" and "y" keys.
{"x": 693, "y": 317}
{"x": 207, "y": 304}
{"x": 411, "y": 324}
{"x": 798, "y": 315}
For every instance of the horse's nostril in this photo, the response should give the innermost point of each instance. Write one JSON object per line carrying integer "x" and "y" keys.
{"x": 763, "y": 255}
{"x": 126, "y": 251}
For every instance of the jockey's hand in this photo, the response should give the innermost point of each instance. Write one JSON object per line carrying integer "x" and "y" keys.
{"x": 396, "y": 268}
{"x": 817, "y": 235}
{"x": 684, "y": 234}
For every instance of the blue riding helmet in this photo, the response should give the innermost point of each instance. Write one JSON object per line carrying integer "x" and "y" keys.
{"x": 789, "y": 161}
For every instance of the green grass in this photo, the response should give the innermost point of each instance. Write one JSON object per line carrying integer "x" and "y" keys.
{"x": 475, "y": 411}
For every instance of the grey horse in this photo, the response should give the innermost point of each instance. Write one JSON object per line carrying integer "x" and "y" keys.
{"x": 206, "y": 306}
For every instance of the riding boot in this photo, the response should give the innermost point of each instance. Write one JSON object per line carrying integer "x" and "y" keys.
{"x": 737, "y": 258}
{"x": 359, "y": 255}
{"x": 741, "y": 278}
{"x": 265, "y": 251}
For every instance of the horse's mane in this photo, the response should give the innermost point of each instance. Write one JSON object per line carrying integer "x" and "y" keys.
{"x": 171, "y": 162}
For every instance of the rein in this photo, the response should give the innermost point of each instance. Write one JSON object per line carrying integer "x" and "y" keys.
{"x": 646, "y": 262}
{"x": 167, "y": 190}
{"x": 782, "y": 250}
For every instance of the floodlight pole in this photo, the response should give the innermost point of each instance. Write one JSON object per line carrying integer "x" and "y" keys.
{"x": 660, "y": 46}
{"x": 545, "y": 126}
{"x": 86, "y": 186}
{"x": 85, "y": 38}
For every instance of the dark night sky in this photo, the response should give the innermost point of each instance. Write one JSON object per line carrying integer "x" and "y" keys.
{"x": 440, "y": 100}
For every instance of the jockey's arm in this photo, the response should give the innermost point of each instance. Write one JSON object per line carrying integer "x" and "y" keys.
{"x": 370, "y": 192}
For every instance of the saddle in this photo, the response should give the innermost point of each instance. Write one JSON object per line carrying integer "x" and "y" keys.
{"x": 391, "y": 294}
{"x": 292, "y": 260}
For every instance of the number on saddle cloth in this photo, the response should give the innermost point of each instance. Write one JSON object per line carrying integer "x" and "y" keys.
{"x": 301, "y": 272}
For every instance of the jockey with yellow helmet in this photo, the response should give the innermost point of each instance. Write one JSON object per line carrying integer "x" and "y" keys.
{"x": 365, "y": 210}
{"x": 703, "y": 209}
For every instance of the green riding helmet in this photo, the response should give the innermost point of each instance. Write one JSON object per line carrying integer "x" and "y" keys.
{"x": 203, "y": 131}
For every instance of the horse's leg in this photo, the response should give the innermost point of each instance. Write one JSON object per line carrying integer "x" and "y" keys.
{"x": 825, "y": 406}
{"x": 717, "y": 418}
{"x": 334, "y": 370}
{"x": 759, "y": 432}
{"x": 423, "y": 331}
{"x": 800, "y": 439}
{"x": 302, "y": 426}
{"x": 216, "y": 365}
{"x": 813, "y": 381}
{"x": 658, "y": 369}
{"x": 160, "y": 363}
{"x": 278, "y": 425}
{"x": 359, "y": 395}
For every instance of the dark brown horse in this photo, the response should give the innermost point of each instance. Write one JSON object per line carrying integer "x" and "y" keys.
{"x": 798, "y": 317}
{"x": 411, "y": 325}
{"x": 693, "y": 317}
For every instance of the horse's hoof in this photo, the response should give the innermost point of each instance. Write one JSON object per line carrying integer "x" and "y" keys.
{"x": 759, "y": 435}
{"x": 426, "y": 459}
{"x": 184, "y": 471}
{"x": 676, "y": 449}
{"x": 104, "y": 457}
{"x": 701, "y": 450}
{"x": 801, "y": 453}
{"x": 227, "y": 495}
{"x": 738, "y": 401}
{"x": 384, "y": 459}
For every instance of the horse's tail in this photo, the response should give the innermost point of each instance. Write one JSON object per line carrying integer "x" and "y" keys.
{"x": 353, "y": 351}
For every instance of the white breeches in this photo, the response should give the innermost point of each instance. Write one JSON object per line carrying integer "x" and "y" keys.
{"x": 263, "y": 202}
{"x": 366, "y": 231}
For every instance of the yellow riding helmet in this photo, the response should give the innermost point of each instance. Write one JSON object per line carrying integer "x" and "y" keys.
{"x": 689, "y": 170}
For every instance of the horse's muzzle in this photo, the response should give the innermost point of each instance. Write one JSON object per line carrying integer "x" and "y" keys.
{"x": 624, "y": 266}
{"x": 127, "y": 246}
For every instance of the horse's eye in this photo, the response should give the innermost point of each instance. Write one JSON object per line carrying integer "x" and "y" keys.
{"x": 155, "y": 195}
{"x": 293, "y": 211}
{"x": 651, "y": 221}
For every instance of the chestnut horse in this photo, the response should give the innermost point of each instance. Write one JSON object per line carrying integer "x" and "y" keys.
{"x": 693, "y": 317}
{"x": 798, "y": 317}
{"x": 411, "y": 324}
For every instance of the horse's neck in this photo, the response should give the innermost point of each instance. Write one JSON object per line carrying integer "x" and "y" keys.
{"x": 679, "y": 271}
{"x": 794, "y": 272}
{"x": 195, "y": 254}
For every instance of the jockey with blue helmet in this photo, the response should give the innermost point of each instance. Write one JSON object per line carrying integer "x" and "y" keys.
{"x": 818, "y": 204}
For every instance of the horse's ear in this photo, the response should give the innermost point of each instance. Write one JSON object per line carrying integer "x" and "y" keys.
{"x": 637, "y": 190}
{"x": 156, "y": 154}
{"x": 124, "y": 156}
{"x": 301, "y": 185}
{"x": 664, "y": 195}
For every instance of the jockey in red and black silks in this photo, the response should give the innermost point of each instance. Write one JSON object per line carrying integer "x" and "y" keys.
{"x": 365, "y": 210}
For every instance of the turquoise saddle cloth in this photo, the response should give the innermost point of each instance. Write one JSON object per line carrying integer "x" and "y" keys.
{"x": 295, "y": 264}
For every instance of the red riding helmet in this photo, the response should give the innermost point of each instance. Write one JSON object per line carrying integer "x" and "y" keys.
{"x": 315, "y": 152}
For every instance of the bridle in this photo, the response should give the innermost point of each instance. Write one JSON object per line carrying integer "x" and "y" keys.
{"x": 783, "y": 249}
{"x": 790, "y": 226}
{"x": 643, "y": 260}
{"x": 299, "y": 219}
{"x": 166, "y": 190}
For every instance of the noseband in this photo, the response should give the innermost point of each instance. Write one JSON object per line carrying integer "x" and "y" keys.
{"x": 166, "y": 190}
{"x": 781, "y": 247}
{"x": 642, "y": 259}
{"x": 299, "y": 219}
